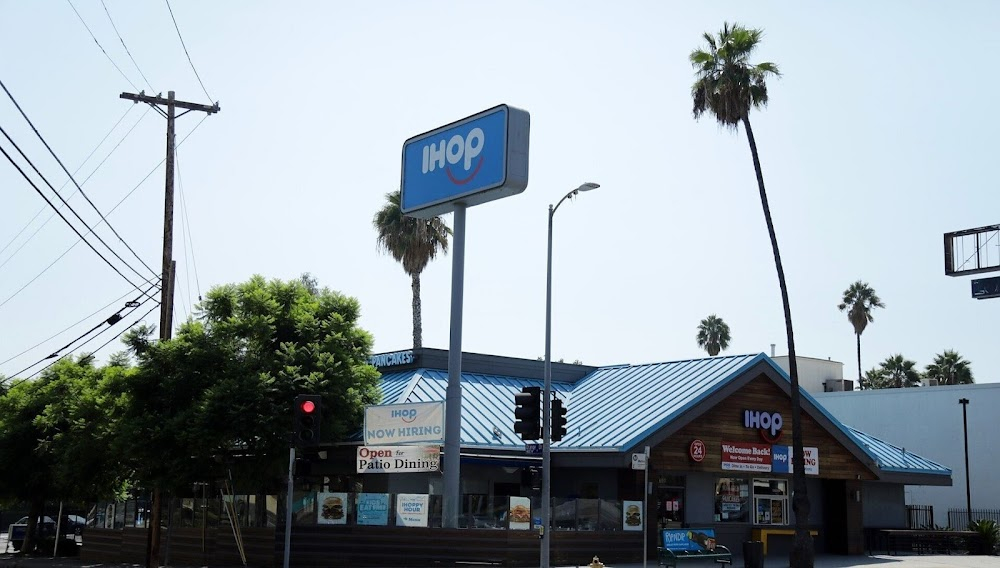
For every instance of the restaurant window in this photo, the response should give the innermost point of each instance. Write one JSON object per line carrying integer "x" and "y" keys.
{"x": 732, "y": 500}
{"x": 770, "y": 498}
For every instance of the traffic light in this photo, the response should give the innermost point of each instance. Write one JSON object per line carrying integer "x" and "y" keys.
{"x": 307, "y": 413}
{"x": 558, "y": 420}
{"x": 526, "y": 413}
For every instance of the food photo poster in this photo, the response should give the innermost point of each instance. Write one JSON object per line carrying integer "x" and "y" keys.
{"x": 332, "y": 508}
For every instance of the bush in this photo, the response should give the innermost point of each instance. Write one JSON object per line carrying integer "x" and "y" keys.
{"x": 988, "y": 536}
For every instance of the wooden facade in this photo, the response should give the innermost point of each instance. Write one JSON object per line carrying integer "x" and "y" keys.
{"x": 723, "y": 422}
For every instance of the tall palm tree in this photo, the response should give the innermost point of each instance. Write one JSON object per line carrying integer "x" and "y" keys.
{"x": 713, "y": 335}
{"x": 413, "y": 243}
{"x": 900, "y": 372}
{"x": 728, "y": 86}
{"x": 950, "y": 368}
{"x": 859, "y": 301}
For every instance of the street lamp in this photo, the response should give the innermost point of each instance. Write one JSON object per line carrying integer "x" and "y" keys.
{"x": 965, "y": 431}
{"x": 547, "y": 391}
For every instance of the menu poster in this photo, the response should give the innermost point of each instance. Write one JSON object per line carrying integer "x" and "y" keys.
{"x": 373, "y": 509}
{"x": 411, "y": 510}
{"x": 632, "y": 515}
{"x": 520, "y": 513}
{"x": 332, "y": 508}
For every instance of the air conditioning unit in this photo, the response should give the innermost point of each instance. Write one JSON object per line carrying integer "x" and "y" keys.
{"x": 928, "y": 382}
{"x": 838, "y": 385}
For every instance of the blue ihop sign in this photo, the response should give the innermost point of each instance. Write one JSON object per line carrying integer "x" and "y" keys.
{"x": 472, "y": 161}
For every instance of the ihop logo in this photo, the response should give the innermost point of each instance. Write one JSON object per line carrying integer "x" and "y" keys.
{"x": 768, "y": 423}
{"x": 454, "y": 153}
{"x": 405, "y": 414}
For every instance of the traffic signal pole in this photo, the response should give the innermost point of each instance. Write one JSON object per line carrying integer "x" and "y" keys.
{"x": 166, "y": 278}
{"x": 288, "y": 503}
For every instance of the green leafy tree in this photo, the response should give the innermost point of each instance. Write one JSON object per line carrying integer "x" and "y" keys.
{"x": 713, "y": 335}
{"x": 899, "y": 372}
{"x": 727, "y": 86}
{"x": 413, "y": 243}
{"x": 949, "y": 368}
{"x": 54, "y": 439}
{"x": 859, "y": 301}
{"x": 224, "y": 385}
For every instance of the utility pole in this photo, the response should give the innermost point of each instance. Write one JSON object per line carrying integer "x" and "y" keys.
{"x": 167, "y": 274}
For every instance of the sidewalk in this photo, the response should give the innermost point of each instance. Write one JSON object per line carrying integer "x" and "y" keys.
{"x": 909, "y": 561}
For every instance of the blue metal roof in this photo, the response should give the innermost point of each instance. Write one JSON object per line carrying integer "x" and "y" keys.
{"x": 892, "y": 458}
{"x": 616, "y": 408}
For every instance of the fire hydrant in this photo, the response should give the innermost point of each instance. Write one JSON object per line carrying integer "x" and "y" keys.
{"x": 596, "y": 563}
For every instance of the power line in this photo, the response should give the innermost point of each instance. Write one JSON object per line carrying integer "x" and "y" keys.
{"x": 78, "y": 188}
{"x": 179, "y": 36}
{"x": 92, "y": 152}
{"x": 63, "y": 217}
{"x": 187, "y": 227}
{"x": 110, "y": 321}
{"x": 102, "y": 346}
{"x": 67, "y": 328}
{"x": 84, "y": 182}
{"x": 143, "y": 75}
{"x": 101, "y": 46}
{"x": 120, "y": 201}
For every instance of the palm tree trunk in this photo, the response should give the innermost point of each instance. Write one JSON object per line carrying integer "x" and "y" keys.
{"x": 859, "y": 358}
{"x": 803, "y": 553}
{"x": 417, "y": 323}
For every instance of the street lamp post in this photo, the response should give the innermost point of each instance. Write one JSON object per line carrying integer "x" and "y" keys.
{"x": 547, "y": 391}
{"x": 965, "y": 431}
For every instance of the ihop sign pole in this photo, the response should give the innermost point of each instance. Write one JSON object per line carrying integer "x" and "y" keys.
{"x": 472, "y": 161}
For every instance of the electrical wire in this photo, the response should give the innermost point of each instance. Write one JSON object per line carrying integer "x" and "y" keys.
{"x": 189, "y": 241}
{"x": 102, "y": 346}
{"x": 179, "y": 36}
{"x": 120, "y": 201}
{"x": 113, "y": 26}
{"x": 112, "y": 320}
{"x": 71, "y": 195}
{"x": 101, "y": 46}
{"x": 84, "y": 162}
{"x": 75, "y": 230}
{"x": 78, "y": 187}
{"x": 67, "y": 328}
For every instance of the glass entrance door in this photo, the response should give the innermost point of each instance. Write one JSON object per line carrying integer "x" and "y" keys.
{"x": 670, "y": 501}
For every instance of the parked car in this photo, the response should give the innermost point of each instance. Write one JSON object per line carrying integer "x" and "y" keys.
{"x": 70, "y": 528}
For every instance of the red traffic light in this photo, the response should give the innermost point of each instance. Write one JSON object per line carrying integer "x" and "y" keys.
{"x": 308, "y": 406}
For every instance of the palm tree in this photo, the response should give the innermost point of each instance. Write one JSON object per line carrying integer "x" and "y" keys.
{"x": 728, "y": 86}
{"x": 413, "y": 243}
{"x": 874, "y": 379}
{"x": 899, "y": 372}
{"x": 949, "y": 368}
{"x": 713, "y": 335}
{"x": 859, "y": 300}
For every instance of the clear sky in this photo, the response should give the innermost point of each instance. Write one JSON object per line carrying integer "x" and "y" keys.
{"x": 878, "y": 139}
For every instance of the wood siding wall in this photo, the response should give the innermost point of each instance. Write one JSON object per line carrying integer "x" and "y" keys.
{"x": 185, "y": 549}
{"x": 724, "y": 423}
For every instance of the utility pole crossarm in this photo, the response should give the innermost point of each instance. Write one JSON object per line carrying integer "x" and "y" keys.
{"x": 158, "y": 100}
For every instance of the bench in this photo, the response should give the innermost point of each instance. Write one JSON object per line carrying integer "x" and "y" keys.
{"x": 761, "y": 535}
{"x": 682, "y": 545}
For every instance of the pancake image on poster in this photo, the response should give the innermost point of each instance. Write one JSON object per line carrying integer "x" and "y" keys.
{"x": 333, "y": 508}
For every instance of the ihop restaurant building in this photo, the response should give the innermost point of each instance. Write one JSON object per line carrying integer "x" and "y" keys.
{"x": 718, "y": 431}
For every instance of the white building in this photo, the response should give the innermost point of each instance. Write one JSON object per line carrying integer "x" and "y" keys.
{"x": 928, "y": 421}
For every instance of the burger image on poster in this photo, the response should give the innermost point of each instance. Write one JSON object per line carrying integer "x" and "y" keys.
{"x": 333, "y": 508}
{"x": 633, "y": 516}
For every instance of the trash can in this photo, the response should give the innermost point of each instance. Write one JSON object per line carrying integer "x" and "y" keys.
{"x": 753, "y": 554}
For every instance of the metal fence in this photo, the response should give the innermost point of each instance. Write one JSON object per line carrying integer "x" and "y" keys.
{"x": 959, "y": 518}
{"x": 920, "y": 516}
